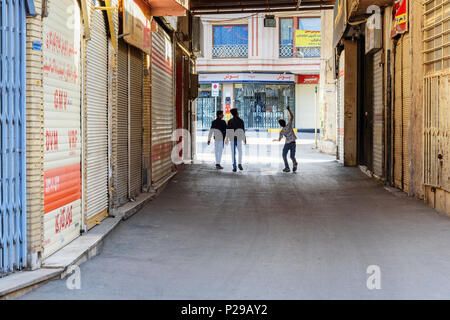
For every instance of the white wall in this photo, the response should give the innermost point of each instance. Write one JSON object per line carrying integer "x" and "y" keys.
{"x": 327, "y": 93}
{"x": 305, "y": 106}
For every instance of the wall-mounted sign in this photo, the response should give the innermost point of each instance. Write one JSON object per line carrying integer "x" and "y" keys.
{"x": 308, "y": 79}
{"x": 246, "y": 77}
{"x": 340, "y": 20}
{"x": 215, "y": 89}
{"x": 399, "y": 18}
{"x": 304, "y": 38}
{"x": 136, "y": 25}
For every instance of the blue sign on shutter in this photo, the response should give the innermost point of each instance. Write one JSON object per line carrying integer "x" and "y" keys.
{"x": 13, "y": 241}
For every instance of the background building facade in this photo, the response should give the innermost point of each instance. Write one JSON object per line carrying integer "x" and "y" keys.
{"x": 260, "y": 69}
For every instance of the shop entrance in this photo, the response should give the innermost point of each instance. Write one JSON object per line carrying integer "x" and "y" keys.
{"x": 260, "y": 105}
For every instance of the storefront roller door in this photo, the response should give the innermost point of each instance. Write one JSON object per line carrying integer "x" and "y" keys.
{"x": 402, "y": 105}
{"x": 135, "y": 129}
{"x": 340, "y": 106}
{"x": 13, "y": 220}
{"x": 378, "y": 115}
{"x": 121, "y": 176}
{"x": 62, "y": 124}
{"x": 162, "y": 106}
{"x": 406, "y": 105}
{"x": 96, "y": 122}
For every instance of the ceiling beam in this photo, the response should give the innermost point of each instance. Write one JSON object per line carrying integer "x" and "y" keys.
{"x": 262, "y": 10}
{"x": 214, "y": 6}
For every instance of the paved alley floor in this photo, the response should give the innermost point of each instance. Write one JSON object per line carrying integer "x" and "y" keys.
{"x": 263, "y": 234}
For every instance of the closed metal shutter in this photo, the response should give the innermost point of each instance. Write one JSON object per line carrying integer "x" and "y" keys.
{"x": 135, "y": 129}
{"x": 62, "y": 124}
{"x": 162, "y": 106}
{"x": 340, "y": 107}
{"x": 402, "y": 103}
{"x": 378, "y": 116}
{"x": 13, "y": 206}
{"x": 96, "y": 122}
{"x": 398, "y": 127}
{"x": 406, "y": 105}
{"x": 121, "y": 176}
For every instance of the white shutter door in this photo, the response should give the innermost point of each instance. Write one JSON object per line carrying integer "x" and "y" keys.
{"x": 162, "y": 106}
{"x": 378, "y": 115}
{"x": 96, "y": 122}
{"x": 136, "y": 71}
{"x": 121, "y": 175}
{"x": 340, "y": 109}
{"x": 62, "y": 124}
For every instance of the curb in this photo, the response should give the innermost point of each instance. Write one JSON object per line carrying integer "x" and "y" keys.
{"x": 80, "y": 250}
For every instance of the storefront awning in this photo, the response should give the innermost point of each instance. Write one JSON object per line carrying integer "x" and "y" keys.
{"x": 161, "y": 8}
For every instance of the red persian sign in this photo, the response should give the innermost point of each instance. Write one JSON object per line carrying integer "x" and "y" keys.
{"x": 399, "y": 18}
{"x": 308, "y": 79}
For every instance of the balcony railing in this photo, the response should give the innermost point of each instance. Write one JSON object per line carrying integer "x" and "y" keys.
{"x": 230, "y": 51}
{"x": 308, "y": 52}
{"x": 287, "y": 51}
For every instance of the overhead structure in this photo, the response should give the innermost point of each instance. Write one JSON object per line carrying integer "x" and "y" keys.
{"x": 201, "y": 7}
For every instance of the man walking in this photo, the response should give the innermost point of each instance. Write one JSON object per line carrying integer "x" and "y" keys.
{"x": 236, "y": 133}
{"x": 218, "y": 129}
{"x": 290, "y": 144}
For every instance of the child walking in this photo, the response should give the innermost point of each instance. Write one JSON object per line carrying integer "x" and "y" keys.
{"x": 290, "y": 144}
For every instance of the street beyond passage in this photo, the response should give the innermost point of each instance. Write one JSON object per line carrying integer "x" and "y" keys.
{"x": 247, "y": 235}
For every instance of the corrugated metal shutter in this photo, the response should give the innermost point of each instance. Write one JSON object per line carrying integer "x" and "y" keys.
{"x": 162, "y": 106}
{"x": 96, "y": 122}
{"x": 402, "y": 105}
{"x": 13, "y": 217}
{"x": 378, "y": 115}
{"x": 135, "y": 129}
{"x": 122, "y": 126}
{"x": 146, "y": 127}
{"x": 406, "y": 105}
{"x": 340, "y": 107}
{"x": 62, "y": 124}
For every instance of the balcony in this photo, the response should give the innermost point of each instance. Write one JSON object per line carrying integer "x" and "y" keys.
{"x": 230, "y": 51}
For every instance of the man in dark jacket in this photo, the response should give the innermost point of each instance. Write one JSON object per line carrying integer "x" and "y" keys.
{"x": 236, "y": 134}
{"x": 218, "y": 129}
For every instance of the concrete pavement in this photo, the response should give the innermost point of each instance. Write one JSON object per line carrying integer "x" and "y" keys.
{"x": 262, "y": 234}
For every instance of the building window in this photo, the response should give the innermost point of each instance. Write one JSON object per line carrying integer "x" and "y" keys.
{"x": 436, "y": 36}
{"x": 308, "y": 37}
{"x": 230, "y": 41}
{"x": 300, "y": 37}
{"x": 286, "y": 38}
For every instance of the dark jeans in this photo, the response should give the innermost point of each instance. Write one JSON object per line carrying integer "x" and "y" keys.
{"x": 289, "y": 147}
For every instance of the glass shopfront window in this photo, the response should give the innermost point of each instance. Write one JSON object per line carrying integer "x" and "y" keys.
{"x": 262, "y": 105}
{"x": 207, "y": 106}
